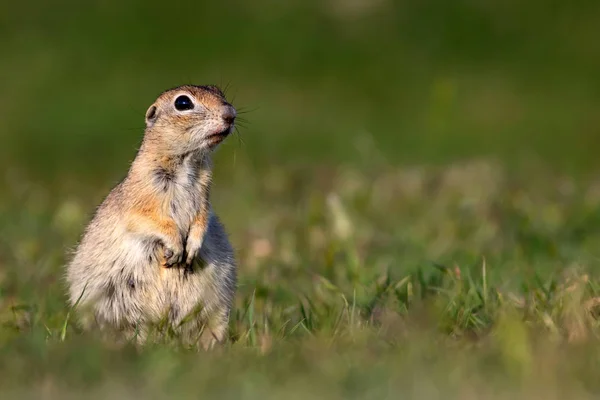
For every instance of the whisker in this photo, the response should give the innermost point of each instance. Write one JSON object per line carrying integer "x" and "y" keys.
{"x": 233, "y": 97}
{"x": 239, "y": 136}
{"x": 134, "y": 129}
{"x": 245, "y": 110}
{"x": 226, "y": 89}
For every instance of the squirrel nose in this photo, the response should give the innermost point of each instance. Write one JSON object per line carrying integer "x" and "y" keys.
{"x": 229, "y": 114}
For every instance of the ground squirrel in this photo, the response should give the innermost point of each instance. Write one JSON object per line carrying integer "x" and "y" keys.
{"x": 154, "y": 250}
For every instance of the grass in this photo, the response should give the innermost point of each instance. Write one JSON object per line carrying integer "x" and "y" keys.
{"x": 426, "y": 281}
{"x": 412, "y": 200}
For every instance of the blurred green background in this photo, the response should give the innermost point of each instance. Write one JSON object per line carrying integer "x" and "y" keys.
{"x": 421, "y": 81}
{"x": 378, "y": 137}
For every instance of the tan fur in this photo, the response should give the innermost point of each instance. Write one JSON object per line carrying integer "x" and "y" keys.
{"x": 155, "y": 250}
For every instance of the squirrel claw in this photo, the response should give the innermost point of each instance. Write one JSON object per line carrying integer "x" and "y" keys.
{"x": 190, "y": 259}
{"x": 192, "y": 250}
{"x": 171, "y": 258}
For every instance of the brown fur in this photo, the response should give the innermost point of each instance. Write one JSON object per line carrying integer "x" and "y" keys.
{"x": 155, "y": 249}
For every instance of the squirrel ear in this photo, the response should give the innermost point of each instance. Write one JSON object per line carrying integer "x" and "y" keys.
{"x": 151, "y": 115}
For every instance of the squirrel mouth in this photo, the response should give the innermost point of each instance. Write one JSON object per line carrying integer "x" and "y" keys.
{"x": 219, "y": 136}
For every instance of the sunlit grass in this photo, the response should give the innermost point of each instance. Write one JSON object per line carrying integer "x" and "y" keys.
{"x": 460, "y": 280}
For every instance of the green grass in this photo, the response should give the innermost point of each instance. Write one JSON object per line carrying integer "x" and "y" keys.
{"x": 459, "y": 279}
{"x": 412, "y": 200}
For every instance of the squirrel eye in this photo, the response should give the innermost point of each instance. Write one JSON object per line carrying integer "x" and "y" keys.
{"x": 183, "y": 103}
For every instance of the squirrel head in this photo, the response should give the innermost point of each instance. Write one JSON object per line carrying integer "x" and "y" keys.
{"x": 189, "y": 118}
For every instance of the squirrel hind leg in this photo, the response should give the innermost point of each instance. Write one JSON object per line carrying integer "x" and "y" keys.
{"x": 213, "y": 336}
{"x": 213, "y": 331}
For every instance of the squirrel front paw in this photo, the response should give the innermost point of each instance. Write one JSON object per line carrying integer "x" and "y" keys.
{"x": 173, "y": 254}
{"x": 192, "y": 249}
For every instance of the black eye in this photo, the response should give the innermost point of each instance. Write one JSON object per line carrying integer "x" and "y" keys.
{"x": 183, "y": 103}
